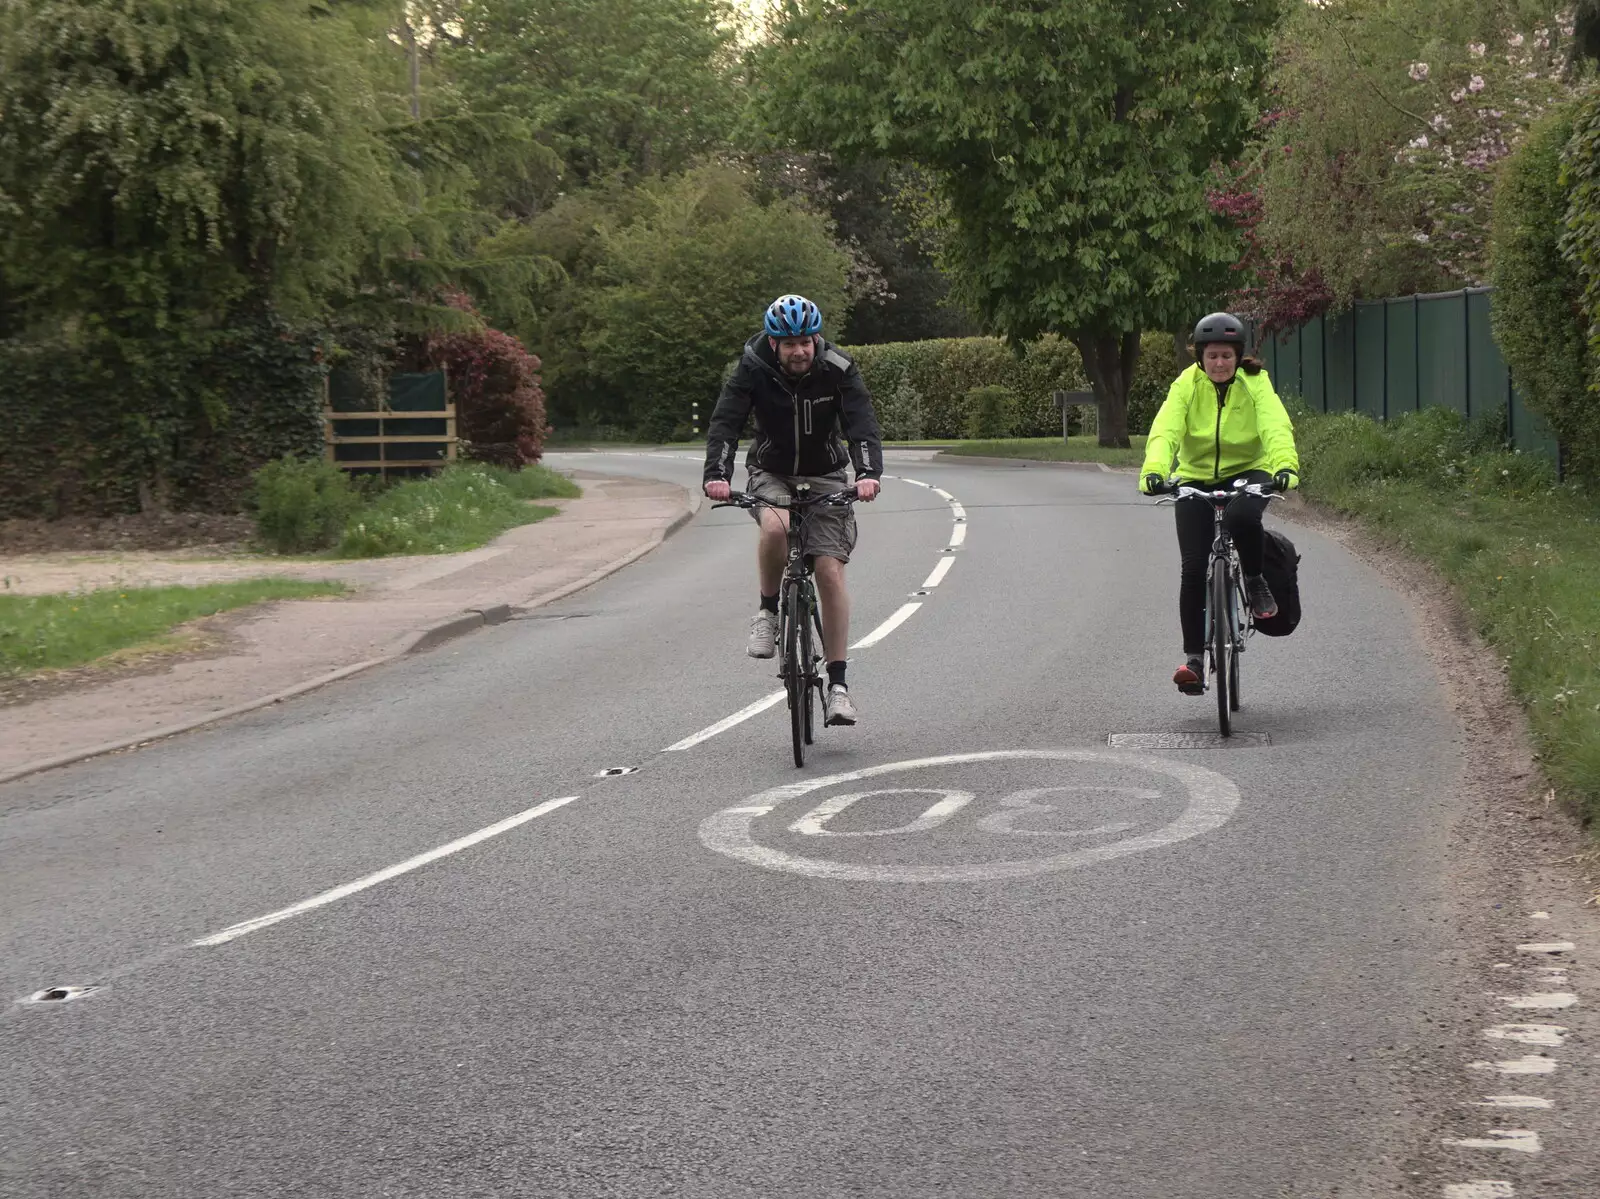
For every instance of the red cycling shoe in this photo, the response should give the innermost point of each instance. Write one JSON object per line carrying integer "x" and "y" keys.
{"x": 1190, "y": 677}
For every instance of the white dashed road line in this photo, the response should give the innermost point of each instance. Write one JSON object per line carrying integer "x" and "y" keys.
{"x": 1530, "y": 1063}
{"x": 1520, "y": 1140}
{"x": 361, "y": 884}
{"x": 903, "y": 614}
{"x": 1547, "y": 1037}
{"x": 938, "y": 574}
{"x": 1542, "y": 1001}
{"x": 1551, "y": 1035}
{"x": 726, "y": 723}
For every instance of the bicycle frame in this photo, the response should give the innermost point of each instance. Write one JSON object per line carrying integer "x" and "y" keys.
{"x": 798, "y": 610}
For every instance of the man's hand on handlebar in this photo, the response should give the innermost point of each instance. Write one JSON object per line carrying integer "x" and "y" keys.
{"x": 867, "y": 490}
{"x": 718, "y": 489}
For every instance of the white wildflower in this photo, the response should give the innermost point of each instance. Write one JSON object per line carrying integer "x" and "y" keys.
{"x": 1418, "y": 71}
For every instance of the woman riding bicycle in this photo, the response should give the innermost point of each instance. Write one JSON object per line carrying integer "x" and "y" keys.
{"x": 1221, "y": 422}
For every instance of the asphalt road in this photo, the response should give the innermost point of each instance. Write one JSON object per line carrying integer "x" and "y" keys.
{"x": 1055, "y": 969}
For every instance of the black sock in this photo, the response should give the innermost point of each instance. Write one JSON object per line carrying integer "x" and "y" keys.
{"x": 836, "y": 674}
{"x": 769, "y": 603}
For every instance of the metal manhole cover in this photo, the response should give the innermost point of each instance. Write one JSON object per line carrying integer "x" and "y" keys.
{"x": 1185, "y": 740}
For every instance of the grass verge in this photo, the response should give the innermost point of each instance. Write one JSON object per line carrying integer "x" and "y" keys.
{"x": 51, "y": 632}
{"x": 1522, "y": 550}
{"x": 460, "y": 508}
{"x": 1052, "y": 449}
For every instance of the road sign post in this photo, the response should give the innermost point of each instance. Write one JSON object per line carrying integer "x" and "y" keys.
{"x": 1066, "y": 400}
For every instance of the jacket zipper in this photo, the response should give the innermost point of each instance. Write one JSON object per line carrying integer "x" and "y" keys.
{"x": 794, "y": 397}
{"x": 1218, "y": 464}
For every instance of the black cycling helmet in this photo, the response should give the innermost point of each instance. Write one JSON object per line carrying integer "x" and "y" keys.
{"x": 1221, "y": 327}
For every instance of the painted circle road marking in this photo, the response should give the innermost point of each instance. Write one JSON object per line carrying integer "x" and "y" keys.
{"x": 1212, "y": 800}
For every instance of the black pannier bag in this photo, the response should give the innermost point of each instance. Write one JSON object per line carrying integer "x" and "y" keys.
{"x": 1280, "y": 566}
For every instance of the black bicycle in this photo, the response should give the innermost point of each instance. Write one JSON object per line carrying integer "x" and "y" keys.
{"x": 1229, "y": 621}
{"x": 799, "y": 614}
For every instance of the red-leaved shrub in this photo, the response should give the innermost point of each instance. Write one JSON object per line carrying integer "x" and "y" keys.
{"x": 495, "y": 384}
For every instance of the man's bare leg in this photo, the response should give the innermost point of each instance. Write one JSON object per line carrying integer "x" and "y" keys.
{"x": 835, "y": 608}
{"x": 772, "y": 552}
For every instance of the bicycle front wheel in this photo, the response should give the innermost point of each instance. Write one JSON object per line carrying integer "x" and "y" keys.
{"x": 1221, "y": 644}
{"x": 1238, "y": 608}
{"x": 808, "y": 658}
{"x": 794, "y": 670}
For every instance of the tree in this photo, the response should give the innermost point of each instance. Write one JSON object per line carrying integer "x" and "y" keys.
{"x": 680, "y": 289}
{"x": 665, "y": 282}
{"x": 1072, "y": 141}
{"x": 1378, "y": 177}
{"x": 159, "y": 161}
{"x": 638, "y": 87}
{"x": 1538, "y": 313}
{"x": 871, "y": 203}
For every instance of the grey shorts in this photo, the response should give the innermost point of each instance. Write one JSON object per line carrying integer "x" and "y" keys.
{"x": 828, "y": 532}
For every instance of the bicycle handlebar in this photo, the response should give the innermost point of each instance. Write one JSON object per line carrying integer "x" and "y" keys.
{"x": 1182, "y": 491}
{"x": 743, "y": 499}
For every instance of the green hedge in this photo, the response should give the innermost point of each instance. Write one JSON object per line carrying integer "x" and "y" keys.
{"x": 94, "y": 427}
{"x": 920, "y": 388}
{"x": 1537, "y": 294}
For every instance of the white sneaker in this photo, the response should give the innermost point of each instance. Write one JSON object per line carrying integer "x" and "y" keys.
{"x": 838, "y": 707}
{"x": 763, "y": 635}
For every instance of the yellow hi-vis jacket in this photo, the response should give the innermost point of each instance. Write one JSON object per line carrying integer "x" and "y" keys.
{"x": 1212, "y": 443}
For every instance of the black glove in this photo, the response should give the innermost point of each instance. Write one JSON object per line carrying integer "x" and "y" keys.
{"x": 1287, "y": 480}
{"x": 1154, "y": 484}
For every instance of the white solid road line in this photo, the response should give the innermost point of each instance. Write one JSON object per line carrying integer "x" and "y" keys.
{"x": 372, "y": 880}
{"x": 726, "y": 723}
{"x": 938, "y": 574}
{"x": 894, "y": 622}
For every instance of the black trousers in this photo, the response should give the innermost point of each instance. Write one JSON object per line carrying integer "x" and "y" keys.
{"x": 1242, "y": 519}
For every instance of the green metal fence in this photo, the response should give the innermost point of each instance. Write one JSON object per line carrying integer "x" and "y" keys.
{"x": 1387, "y": 357}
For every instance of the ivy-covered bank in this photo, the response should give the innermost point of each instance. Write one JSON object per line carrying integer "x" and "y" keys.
{"x": 97, "y": 426}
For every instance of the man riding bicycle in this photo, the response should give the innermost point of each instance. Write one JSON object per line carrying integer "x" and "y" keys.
{"x": 1221, "y": 422}
{"x": 803, "y": 391}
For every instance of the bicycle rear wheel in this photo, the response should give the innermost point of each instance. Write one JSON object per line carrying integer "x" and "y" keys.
{"x": 1221, "y": 643}
{"x": 794, "y": 670}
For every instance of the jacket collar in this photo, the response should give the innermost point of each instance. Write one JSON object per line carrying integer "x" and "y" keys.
{"x": 758, "y": 352}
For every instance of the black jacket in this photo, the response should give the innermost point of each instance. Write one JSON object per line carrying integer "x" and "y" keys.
{"x": 797, "y": 420}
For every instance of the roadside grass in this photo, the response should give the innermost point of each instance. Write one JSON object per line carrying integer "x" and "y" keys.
{"x": 460, "y": 508}
{"x": 1522, "y": 550}
{"x": 1052, "y": 449}
{"x": 52, "y": 632}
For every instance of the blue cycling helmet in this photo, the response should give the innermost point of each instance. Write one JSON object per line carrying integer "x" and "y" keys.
{"x": 793, "y": 316}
